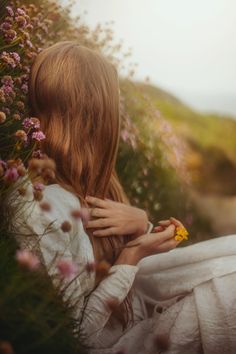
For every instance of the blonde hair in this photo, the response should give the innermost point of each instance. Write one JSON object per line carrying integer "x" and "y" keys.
{"x": 74, "y": 91}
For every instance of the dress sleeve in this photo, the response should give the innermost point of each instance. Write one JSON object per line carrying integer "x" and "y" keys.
{"x": 42, "y": 231}
{"x": 115, "y": 287}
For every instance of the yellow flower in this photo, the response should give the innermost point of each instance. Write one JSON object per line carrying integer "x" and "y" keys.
{"x": 181, "y": 233}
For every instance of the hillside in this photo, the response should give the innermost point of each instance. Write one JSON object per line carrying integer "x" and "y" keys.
{"x": 211, "y": 139}
{"x": 211, "y": 157}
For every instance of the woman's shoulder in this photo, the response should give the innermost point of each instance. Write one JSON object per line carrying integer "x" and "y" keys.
{"x": 61, "y": 197}
{"x": 43, "y": 204}
{"x": 52, "y": 217}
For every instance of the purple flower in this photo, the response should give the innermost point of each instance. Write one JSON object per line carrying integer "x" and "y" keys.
{"x": 7, "y": 89}
{"x": 10, "y": 11}
{"x": 27, "y": 259}
{"x": 25, "y": 77}
{"x": 37, "y": 154}
{"x": 67, "y": 269}
{"x": 11, "y": 174}
{"x": 15, "y": 56}
{"x": 124, "y": 135}
{"x": 20, "y": 12}
{"x": 21, "y": 21}
{"x": 38, "y": 136}
{"x": 31, "y": 123}
{"x": 24, "y": 88}
{"x": 7, "y": 80}
{"x": 5, "y": 26}
{"x": 10, "y": 58}
{"x": 10, "y": 35}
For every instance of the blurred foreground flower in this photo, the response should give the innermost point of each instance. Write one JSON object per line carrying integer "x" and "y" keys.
{"x": 101, "y": 268}
{"x": 67, "y": 269}
{"x": 82, "y": 213}
{"x": 6, "y": 347}
{"x": 27, "y": 259}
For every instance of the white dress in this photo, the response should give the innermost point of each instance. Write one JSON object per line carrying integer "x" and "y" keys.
{"x": 187, "y": 295}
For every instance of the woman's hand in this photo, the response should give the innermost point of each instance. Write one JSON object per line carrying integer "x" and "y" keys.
{"x": 181, "y": 232}
{"x": 147, "y": 245}
{"x": 114, "y": 218}
{"x": 165, "y": 223}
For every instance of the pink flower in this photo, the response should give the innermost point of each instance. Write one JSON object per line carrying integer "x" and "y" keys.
{"x": 31, "y": 123}
{"x": 10, "y": 35}
{"x": 15, "y": 56}
{"x": 85, "y": 215}
{"x": 124, "y": 135}
{"x": 24, "y": 88}
{"x": 67, "y": 269}
{"x": 11, "y": 174}
{"x": 10, "y": 11}
{"x": 37, "y": 154}
{"x": 21, "y": 21}
{"x": 7, "y": 89}
{"x": 20, "y": 12}
{"x": 38, "y": 186}
{"x": 7, "y": 80}
{"x": 27, "y": 259}
{"x": 82, "y": 213}
{"x": 5, "y": 26}
{"x": 38, "y": 136}
{"x": 12, "y": 59}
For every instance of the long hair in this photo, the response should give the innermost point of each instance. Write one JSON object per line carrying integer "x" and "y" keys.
{"x": 74, "y": 91}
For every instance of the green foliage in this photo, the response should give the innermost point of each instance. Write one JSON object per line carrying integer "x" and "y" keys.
{"x": 33, "y": 317}
{"x": 149, "y": 179}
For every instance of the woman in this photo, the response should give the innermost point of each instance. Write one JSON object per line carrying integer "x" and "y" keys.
{"x": 182, "y": 301}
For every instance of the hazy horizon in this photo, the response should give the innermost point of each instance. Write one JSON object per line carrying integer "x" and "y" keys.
{"x": 187, "y": 48}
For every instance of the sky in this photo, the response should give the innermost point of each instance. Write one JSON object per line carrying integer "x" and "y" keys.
{"x": 186, "y": 47}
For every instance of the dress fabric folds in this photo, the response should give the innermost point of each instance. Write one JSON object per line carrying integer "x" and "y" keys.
{"x": 184, "y": 301}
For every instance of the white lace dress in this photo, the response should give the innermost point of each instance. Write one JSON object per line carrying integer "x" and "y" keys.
{"x": 186, "y": 296}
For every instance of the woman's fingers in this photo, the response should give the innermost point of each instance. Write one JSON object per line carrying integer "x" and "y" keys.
{"x": 99, "y": 223}
{"x": 106, "y": 232}
{"x": 171, "y": 221}
{"x": 167, "y": 234}
{"x": 158, "y": 228}
{"x": 168, "y": 245}
{"x": 97, "y": 202}
{"x": 164, "y": 222}
{"x": 176, "y": 222}
{"x": 99, "y": 213}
